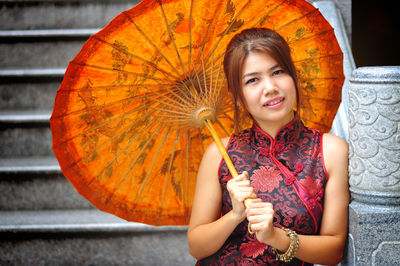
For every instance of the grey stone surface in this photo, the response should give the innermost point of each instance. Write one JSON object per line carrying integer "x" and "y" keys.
{"x": 87, "y": 237}
{"x": 374, "y": 164}
{"x": 25, "y": 141}
{"x": 39, "y": 192}
{"x": 374, "y": 127}
{"x": 28, "y": 95}
{"x": 163, "y": 248}
{"x": 39, "y": 54}
{"x": 60, "y": 14}
{"x": 375, "y": 230}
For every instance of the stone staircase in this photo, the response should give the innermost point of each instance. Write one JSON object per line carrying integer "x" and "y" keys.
{"x": 43, "y": 220}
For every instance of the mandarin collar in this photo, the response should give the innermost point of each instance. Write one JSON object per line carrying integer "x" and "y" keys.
{"x": 289, "y": 132}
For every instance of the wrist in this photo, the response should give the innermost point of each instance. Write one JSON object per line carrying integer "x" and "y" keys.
{"x": 278, "y": 239}
{"x": 237, "y": 218}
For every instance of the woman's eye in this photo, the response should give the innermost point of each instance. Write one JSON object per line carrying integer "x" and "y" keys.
{"x": 277, "y": 72}
{"x": 251, "y": 80}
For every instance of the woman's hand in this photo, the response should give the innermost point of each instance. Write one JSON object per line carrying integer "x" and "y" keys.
{"x": 239, "y": 189}
{"x": 260, "y": 216}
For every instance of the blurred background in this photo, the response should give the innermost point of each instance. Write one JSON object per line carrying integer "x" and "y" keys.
{"x": 375, "y": 33}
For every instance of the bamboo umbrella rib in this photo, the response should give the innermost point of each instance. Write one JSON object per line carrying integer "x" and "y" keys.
{"x": 227, "y": 29}
{"x": 213, "y": 86}
{"x": 101, "y": 88}
{"x": 133, "y": 163}
{"x": 190, "y": 37}
{"x": 100, "y": 107}
{"x": 201, "y": 140}
{"x": 174, "y": 103}
{"x": 222, "y": 127}
{"x": 124, "y": 149}
{"x": 171, "y": 37}
{"x": 297, "y": 19}
{"x": 210, "y": 86}
{"x": 171, "y": 160}
{"x": 151, "y": 43}
{"x": 116, "y": 70}
{"x": 218, "y": 91}
{"x": 319, "y": 57}
{"x": 309, "y": 37}
{"x": 270, "y": 10}
{"x": 124, "y": 130}
{"x": 166, "y": 73}
{"x": 186, "y": 194}
{"x": 208, "y": 31}
{"x": 228, "y": 117}
{"x": 152, "y": 164}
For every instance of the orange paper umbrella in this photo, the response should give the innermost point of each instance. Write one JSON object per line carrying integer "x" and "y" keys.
{"x": 125, "y": 123}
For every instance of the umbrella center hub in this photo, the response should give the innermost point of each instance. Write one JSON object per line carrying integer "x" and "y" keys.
{"x": 205, "y": 113}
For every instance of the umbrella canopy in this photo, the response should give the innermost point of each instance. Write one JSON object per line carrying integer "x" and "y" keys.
{"x": 124, "y": 125}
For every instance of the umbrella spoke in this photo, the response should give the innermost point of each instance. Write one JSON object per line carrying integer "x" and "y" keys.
{"x": 186, "y": 192}
{"x": 112, "y": 87}
{"x": 264, "y": 15}
{"x": 203, "y": 45}
{"x": 105, "y": 123}
{"x": 155, "y": 67}
{"x": 117, "y": 70}
{"x": 146, "y": 178}
{"x": 172, "y": 38}
{"x": 151, "y": 43}
{"x": 133, "y": 163}
{"x": 230, "y": 25}
{"x": 223, "y": 128}
{"x": 318, "y": 57}
{"x": 312, "y": 12}
{"x": 103, "y": 106}
{"x": 167, "y": 179}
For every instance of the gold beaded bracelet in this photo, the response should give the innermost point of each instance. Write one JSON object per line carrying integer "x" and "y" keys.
{"x": 293, "y": 246}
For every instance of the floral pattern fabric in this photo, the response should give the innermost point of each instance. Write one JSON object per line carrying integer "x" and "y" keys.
{"x": 287, "y": 171}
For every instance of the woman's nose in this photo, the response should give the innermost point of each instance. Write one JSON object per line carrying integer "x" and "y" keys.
{"x": 269, "y": 86}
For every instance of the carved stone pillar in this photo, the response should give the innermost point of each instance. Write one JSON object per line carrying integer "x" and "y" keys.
{"x": 374, "y": 166}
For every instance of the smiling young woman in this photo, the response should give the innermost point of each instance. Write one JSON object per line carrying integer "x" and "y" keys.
{"x": 268, "y": 92}
{"x": 297, "y": 176}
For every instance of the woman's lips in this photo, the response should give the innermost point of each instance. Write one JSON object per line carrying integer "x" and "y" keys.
{"x": 274, "y": 103}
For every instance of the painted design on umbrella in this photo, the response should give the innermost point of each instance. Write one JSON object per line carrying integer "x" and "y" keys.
{"x": 125, "y": 125}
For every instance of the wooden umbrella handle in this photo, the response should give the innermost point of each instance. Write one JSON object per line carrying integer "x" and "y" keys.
{"x": 224, "y": 154}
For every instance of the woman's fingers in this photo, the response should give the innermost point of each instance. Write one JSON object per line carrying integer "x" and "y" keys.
{"x": 260, "y": 215}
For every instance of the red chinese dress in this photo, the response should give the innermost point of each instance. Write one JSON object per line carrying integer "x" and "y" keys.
{"x": 287, "y": 171}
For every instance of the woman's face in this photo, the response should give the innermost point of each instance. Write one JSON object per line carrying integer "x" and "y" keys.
{"x": 269, "y": 91}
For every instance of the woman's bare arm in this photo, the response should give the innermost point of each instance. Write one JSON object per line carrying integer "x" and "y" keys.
{"x": 208, "y": 231}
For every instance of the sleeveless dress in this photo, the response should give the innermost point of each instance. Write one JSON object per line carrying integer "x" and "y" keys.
{"x": 287, "y": 171}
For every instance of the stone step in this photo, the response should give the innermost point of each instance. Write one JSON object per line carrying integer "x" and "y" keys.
{"x": 36, "y": 183}
{"x": 51, "y": 48}
{"x": 39, "y": 53}
{"x": 29, "y": 88}
{"x": 60, "y": 14}
{"x": 25, "y": 133}
{"x": 88, "y": 237}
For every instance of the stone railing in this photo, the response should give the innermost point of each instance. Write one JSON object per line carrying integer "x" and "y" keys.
{"x": 374, "y": 166}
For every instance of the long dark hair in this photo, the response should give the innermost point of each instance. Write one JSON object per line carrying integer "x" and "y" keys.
{"x": 255, "y": 40}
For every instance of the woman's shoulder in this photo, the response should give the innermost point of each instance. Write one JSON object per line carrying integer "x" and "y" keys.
{"x": 333, "y": 143}
{"x": 335, "y": 151}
